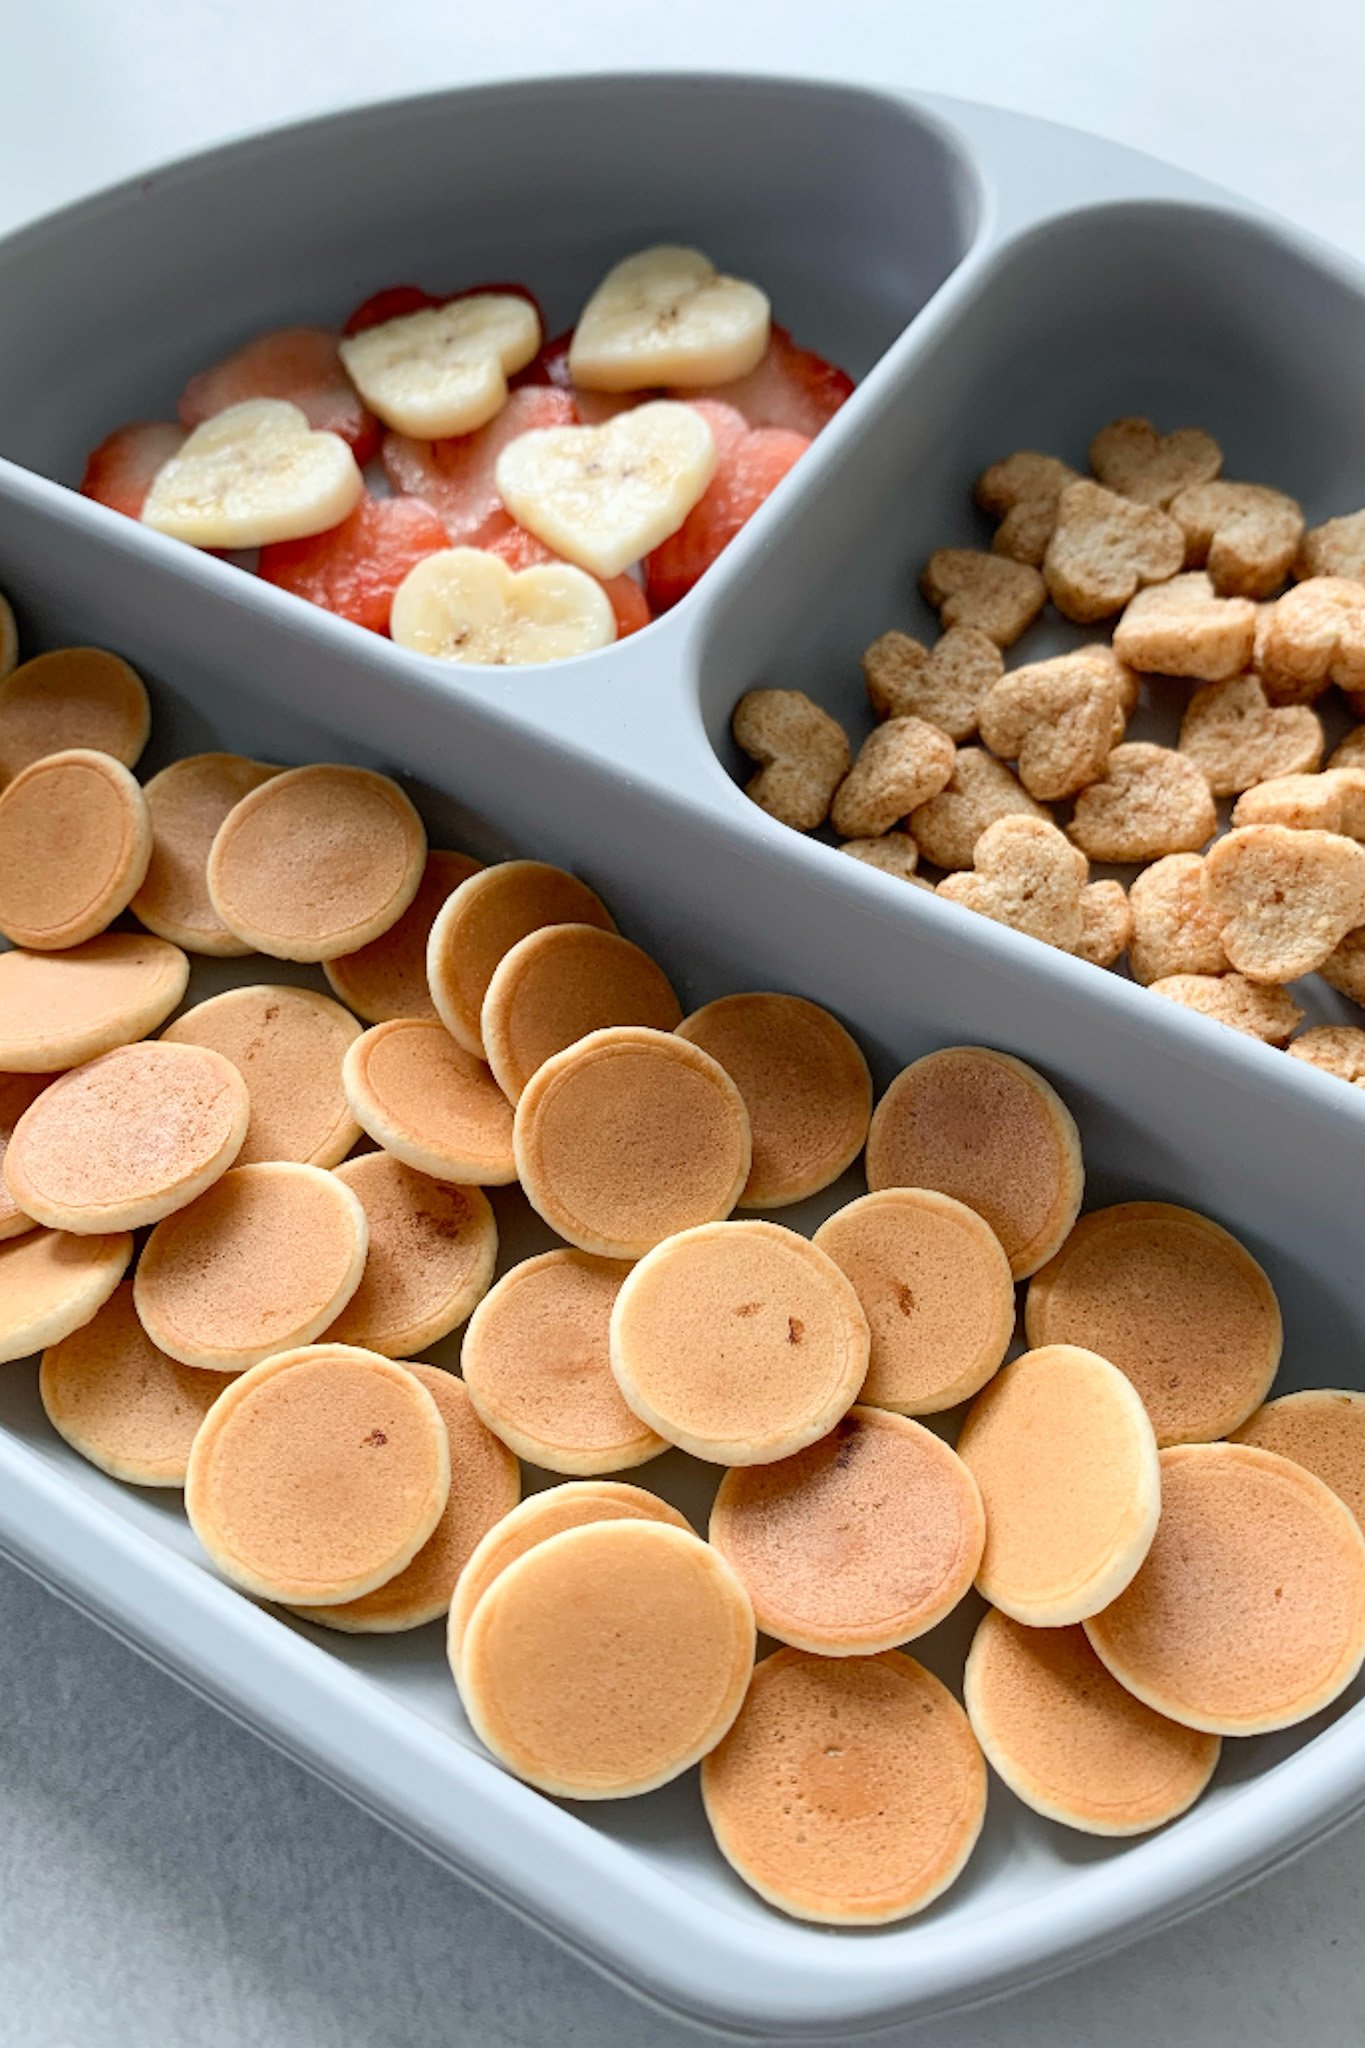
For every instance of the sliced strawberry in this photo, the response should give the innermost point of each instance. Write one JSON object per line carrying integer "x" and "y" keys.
{"x": 792, "y": 388}
{"x": 390, "y": 304}
{"x": 456, "y": 476}
{"x": 551, "y": 366}
{"x": 749, "y": 467}
{"x": 355, "y": 568}
{"x": 120, "y": 472}
{"x": 521, "y": 550}
{"x": 297, "y": 363}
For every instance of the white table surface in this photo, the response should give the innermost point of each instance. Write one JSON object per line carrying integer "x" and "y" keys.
{"x": 163, "y": 1876}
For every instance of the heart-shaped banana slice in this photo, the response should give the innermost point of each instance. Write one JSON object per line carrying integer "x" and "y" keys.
{"x": 604, "y": 496}
{"x": 465, "y": 605}
{"x": 254, "y": 474}
{"x": 444, "y": 370}
{"x": 668, "y": 316}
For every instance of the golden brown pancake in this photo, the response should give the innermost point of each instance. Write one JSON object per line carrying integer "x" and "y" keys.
{"x": 288, "y": 1045}
{"x": 388, "y": 978}
{"x": 865, "y": 1539}
{"x": 318, "y": 1475}
{"x": 1175, "y": 1302}
{"x": 850, "y": 1790}
{"x": 432, "y": 1250}
{"x": 317, "y": 862}
{"x": 935, "y": 1286}
{"x": 429, "y": 1102}
{"x": 188, "y": 802}
{"x": 1249, "y": 1613}
{"x": 51, "y": 1283}
{"x": 72, "y": 697}
{"x": 1322, "y": 1429}
{"x": 558, "y": 984}
{"x": 607, "y": 1659}
{"x": 1070, "y": 1741}
{"x": 264, "y": 1262}
{"x": 629, "y": 1136}
{"x": 983, "y": 1127}
{"x": 571, "y": 1506}
{"x": 740, "y": 1342}
{"x": 483, "y": 920}
{"x": 120, "y": 1402}
{"x": 1065, "y": 1457}
{"x": 485, "y": 1485}
{"x": 75, "y": 839}
{"x": 17, "y": 1092}
{"x": 57, "y": 1009}
{"x": 127, "y": 1138}
{"x": 804, "y": 1083}
{"x": 537, "y": 1362}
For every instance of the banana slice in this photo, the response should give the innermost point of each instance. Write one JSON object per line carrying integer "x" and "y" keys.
{"x": 443, "y": 371}
{"x": 667, "y": 316}
{"x": 254, "y": 474}
{"x": 604, "y": 496}
{"x": 465, "y": 605}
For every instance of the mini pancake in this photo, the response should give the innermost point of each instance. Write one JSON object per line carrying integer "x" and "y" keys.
{"x": 607, "y": 1659}
{"x": 629, "y": 1136}
{"x": 1175, "y": 1302}
{"x": 288, "y": 1045}
{"x": 1070, "y": 1741}
{"x": 542, "y": 1515}
{"x": 485, "y": 1485}
{"x": 17, "y": 1093}
{"x": 429, "y": 1102}
{"x": 1062, "y": 1450}
{"x": 1322, "y": 1429}
{"x": 126, "y": 1139}
{"x": 432, "y": 1250}
{"x": 558, "y": 984}
{"x": 51, "y": 1283}
{"x": 935, "y": 1286}
{"x": 319, "y": 1474}
{"x": 57, "y": 1009}
{"x": 482, "y": 922}
{"x": 120, "y": 1402}
{"x": 262, "y": 1263}
{"x": 805, "y": 1085}
{"x": 75, "y": 840}
{"x": 850, "y": 1791}
{"x": 1249, "y": 1613}
{"x": 72, "y": 697}
{"x": 316, "y": 862}
{"x": 983, "y": 1127}
{"x": 740, "y": 1342}
{"x": 188, "y": 802}
{"x": 537, "y": 1362}
{"x": 388, "y": 978}
{"x": 865, "y": 1539}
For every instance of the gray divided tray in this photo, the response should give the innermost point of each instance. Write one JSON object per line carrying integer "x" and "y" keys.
{"x": 994, "y": 282}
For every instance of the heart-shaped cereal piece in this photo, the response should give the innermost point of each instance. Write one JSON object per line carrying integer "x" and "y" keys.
{"x": 1334, "y": 1049}
{"x": 1331, "y": 802}
{"x": 1183, "y": 628}
{"x": 1106, "y": 923}
{"x": 667, "y": 316}
{"x": 1172, "y": 931}
{"x": 1239, "y": 739}
{"x": 1252, "y": 1007}
{"x": 1104, "y": 547}
{"x": 443, "y": 370}
{"x": 968, "y": 588}
{"x": 1350, "y": 753}
{"x": 1022, "y": 493}
{"x": 468, "y": 606}
{"x": 251, "y": 475}
{"x": 1283, "y": 900}
{"x": 604, "y": 496}
{"x": 1246, "y": 535}
{"x": 1336, "y": 548}
{"x": 1151, "y": 801}
{"x": 1058, "y": 720}
{"x": 1344, "y": 967}
{"x": 1312, "y": 636}
{"x": 900, "y": 765}
{"x": 1028, "y": 877}
{"x": 944, "y": 685}
{"x": 895, "y": 853}
{"x": 979, "y": 791}
{"x": 803, "y": 755}
{"x": 1131, "y": 457}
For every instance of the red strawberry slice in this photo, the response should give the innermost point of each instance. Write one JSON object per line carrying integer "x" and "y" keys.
{"x": 456, "y": 476}
{"x": 792, "y": 388}
{"x": 297, "y": 363}
{"x": 551, "y": 366}
{"x": 521, "y": 550}
{"x": 391, "y": 304}
{"x": 121, "y": 471}
{"x": 354, "y": 569}
{"x": 749, "y": 467}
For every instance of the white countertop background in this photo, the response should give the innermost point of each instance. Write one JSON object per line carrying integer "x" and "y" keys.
{"x": 163, "y": 1876}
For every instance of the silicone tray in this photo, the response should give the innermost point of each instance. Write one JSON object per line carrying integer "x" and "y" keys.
{"x": 994, "y": 281}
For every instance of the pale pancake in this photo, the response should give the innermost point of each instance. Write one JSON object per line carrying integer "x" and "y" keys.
{"x": 17, "y": 1093}
{"x": 188, "y": 802}
{"x": 482, "y": 922}
{"x": 57, "y": 1009}
{"x": 432, "y": 1250}
{"x": 75, "y": 839}
{"x": 1323, "y": 1429}
{"x": 558, "y": 984}
{"x": 51, "y": 1283}
{"x": 429, "y": 1102}
{"x": 388, "y": 978}
{"x": 288, "y": 1045}
{"x": 72, "y": 697}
